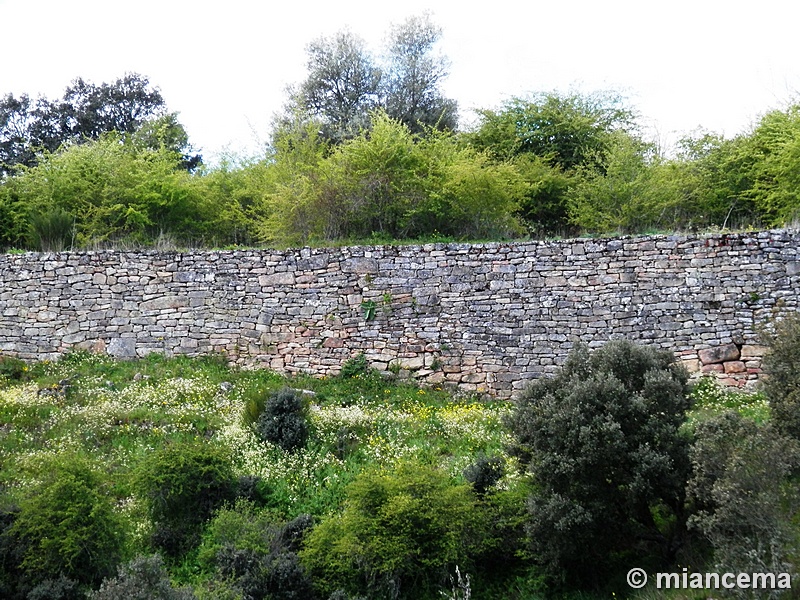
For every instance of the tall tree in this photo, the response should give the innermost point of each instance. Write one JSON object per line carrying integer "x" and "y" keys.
{"x": 345, "y": 82}
{"x": 411, "y": 89}
{"x": 85, "y": 112}
{"x": 342, "y": 84}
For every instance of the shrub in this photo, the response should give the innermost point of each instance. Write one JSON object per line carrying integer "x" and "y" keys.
{"x": 67, "y": 525}
{"x": 606, "y": 456}
{"x": 60, "y": 588}
{"x": 353, "y": 367}
{"x": 183, "y": 485}
{"x": 284, "y": 421}
{"x": 257, "y": 554}
{"x": 12, "y": 368}
{"x": 744, "y": 501}
{"x": 399, "y": 535}
{"x": 782, "y": 365}
{"x": 144, "y": 578}
{"x": 484, "y": 473}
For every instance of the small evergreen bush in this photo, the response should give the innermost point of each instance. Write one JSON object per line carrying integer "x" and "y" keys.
{"x": 484, "y": 473}
{"x": 284, "y": 421}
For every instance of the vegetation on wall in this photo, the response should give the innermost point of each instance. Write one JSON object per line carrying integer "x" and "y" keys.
{"x": 368, "y": 149}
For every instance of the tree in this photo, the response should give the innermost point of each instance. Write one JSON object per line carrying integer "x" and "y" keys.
{"x": 607, "y": 461}
{"x": 782, "y": 367}
{"x": 109, "y": 189}
{"x": 390, "y": 182}
{"x": 413, "y": 74}
{"x": 86, "y": 112}
{"x": 342, "y": 84}
{"x": 553, "y": 138}
{"x": 345, "y": 83}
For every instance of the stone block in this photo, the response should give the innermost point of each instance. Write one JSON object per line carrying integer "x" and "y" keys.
{"x": 719, "y": 354}
{"x": 734, "y": 366}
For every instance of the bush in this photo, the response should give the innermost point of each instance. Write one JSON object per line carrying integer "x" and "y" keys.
{"x": 607, "y": 459}
{"x": 401, "y": 532}
{"x": 144, "y": 578}
{"x": 484, "y": 473}
{"x": 12, "y": 368}
{"x": 183, "y": 485}
{"x": 782, "y": 365}
{"x": 67, "y": 525}
{"x": 249, "y": 548}
{"x": 743, "y": 498}
{"x": 60, "y": 588}
{"x": 284, "y": 421}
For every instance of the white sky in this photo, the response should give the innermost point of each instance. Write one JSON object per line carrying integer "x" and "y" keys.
{"x": 224, "y": 66}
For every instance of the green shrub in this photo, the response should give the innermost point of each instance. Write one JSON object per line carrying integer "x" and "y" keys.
{"x": 12, "y": 368}
{"x": 67, "y": 524}
{"x": 52, "y": 230}
{"x": 183, "y": 484}
{"x": 284, "y": 421}
{"x": 144, "y": 578}
{"x": 484, "y": 473}
{"x": 603, "y": 444}
{"x": 401, "y": 532}
{"x": 354, "y": 367}
{"x": 258, "y": 554}
{"x": 743, "y": 494}
{"x": 782, "y": 365}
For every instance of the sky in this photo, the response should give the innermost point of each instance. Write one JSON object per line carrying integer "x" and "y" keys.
{"x": 224, "y": 66}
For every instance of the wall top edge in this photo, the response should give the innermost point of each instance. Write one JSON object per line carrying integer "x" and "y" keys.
{"x": 612, "y": 242}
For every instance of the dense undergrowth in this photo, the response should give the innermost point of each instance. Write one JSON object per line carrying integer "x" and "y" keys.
{"x": 181, "y": 478}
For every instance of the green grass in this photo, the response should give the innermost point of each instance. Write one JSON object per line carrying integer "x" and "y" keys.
{"x": 711, "y": 399}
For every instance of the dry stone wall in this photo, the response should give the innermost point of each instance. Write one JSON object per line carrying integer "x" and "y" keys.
{"x": 486, "y": 317}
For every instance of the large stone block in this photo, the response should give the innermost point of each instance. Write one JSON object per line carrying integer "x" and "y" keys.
{"x": 719, "y": 354}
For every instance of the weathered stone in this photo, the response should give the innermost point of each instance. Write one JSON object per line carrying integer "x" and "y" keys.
{"x": 164, "y": 303}
{"x": 487, "y": 316}
{"x": 753, "y": 351}
{"x": 734, "y": 366}
{"x": 719, "y": 354}
{"x": 122, "y": 347}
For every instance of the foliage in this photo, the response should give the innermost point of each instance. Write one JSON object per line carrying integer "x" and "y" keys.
{"x": 342, "y": 84}
{"x": 484, "y": 473}
{"x": 52, "y": 230}
{"x": 390, "y": 182}
{"x": 552, "y": 137}
{"x": 399, "y": 534}
{"x": 11, "y": 368}
{"x": 606, "y": 456}
{"x": 257, "y": 553}
{"x": 284, "y": 421}
{"x": 67, "y": 524}
{"x": 143, "y": 578}
{"x": 782, "y": 365}
{"x": 345, "y": 83}
{"x": 744, "y": 494}
{"x": 411, "y": 92}
{"x": 183, "y": 484}
{"x": 85, "y": 112}
{"x": 107, "y": 189}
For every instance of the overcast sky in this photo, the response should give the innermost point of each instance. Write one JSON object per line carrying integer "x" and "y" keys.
{"x": 224, "y": 66}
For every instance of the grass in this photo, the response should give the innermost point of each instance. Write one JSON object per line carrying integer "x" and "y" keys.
{"x": 118, "y": 411}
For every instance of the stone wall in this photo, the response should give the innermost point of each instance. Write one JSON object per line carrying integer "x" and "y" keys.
{"x": 487, "y": 317}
